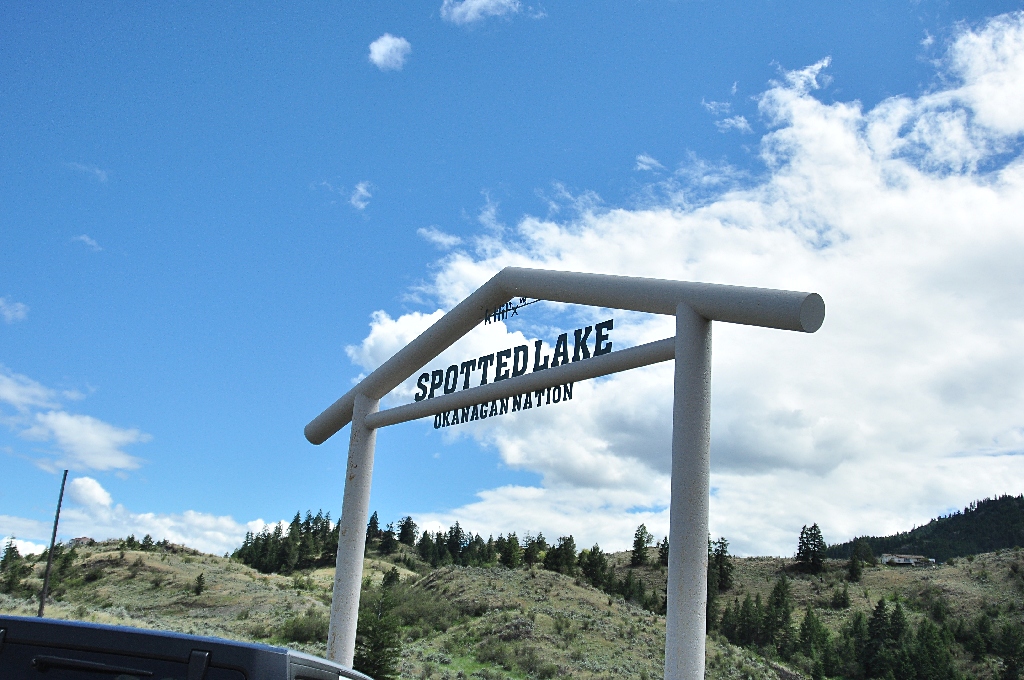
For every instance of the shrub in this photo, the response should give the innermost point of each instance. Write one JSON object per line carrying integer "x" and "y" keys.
{"x": 308, "y": 627}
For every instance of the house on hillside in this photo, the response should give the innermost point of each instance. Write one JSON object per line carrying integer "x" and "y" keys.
{"x": 906, "y": 560}
{"x": 81, "y": 541}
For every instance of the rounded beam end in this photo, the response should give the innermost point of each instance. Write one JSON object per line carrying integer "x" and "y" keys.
{"x": 812, "y": 313}
{"x": 312, "y": 436}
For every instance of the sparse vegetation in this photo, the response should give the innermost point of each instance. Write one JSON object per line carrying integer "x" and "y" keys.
{"x": 505, "y": 609}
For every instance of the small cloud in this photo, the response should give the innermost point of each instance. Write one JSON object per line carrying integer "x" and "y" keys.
{"x": 734, "y": 86}
{"x": 717, "y": 108}
{"x": 645, "y": 162}
{"x": 928, "y": 39}
{"x": 734, "y": 123}
{"x": 361, "y": 195}
{"x": 12, "y": 311}
{"x": 439, "y": 238}
{"x": 471, "y": 11}
{"x": 98, "y": 174}
{"x": 388, "y": 52}
{"x": 89, "y": 241}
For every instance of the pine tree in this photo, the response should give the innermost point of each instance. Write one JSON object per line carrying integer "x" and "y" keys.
{"x": 378, "y": 641}
{"x": 407, "y": 531}
{"x": 509, "y": 550}
{"x": 535, "y": 548}
{"x": 723, "y": 564}
{"x": 388, "y": 541}
{"x": 594, "y": 565}
{"x": 562, "y": 558}
{"x": 373, "y": 528}
{"x": 200, "y": 585}
{"x": 12, "y": 568}
{"x": 641, "y": 540}
{"x": 854, "y": 569}
{"x": 663, "y": 552}
{"x": 810, "y": 554}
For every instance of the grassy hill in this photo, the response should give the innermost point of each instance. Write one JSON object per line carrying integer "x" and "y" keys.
{"x": 489, "y": 623}
{"x": 984, "y": 526}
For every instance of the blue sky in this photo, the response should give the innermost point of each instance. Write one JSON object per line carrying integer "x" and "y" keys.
{"x": 203, "y": 207}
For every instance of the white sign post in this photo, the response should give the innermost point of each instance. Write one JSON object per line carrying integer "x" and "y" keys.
{"x": 694, "y": 305}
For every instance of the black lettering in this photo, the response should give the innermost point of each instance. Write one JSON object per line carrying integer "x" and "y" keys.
{"x": 561, "y": 354}
{"x": 501, "y": 368}
{"x": 517, "y": 402}
{"x": 451, "y": 379}
{"x": 581, "y": 351}
{"x": 436, "y": 380}
{"x": 600, "y": 335}
{"x": 476, "y": 413}
{"x": 444, "y": 419}
{"x": 504, "y": 407}
{"x": 567, "y": 388}
{"x": 537, "y": 366}
{"x": 494, "y": 409}
{"x": 482, "y": 363}
{"x": 483, "y": 411}
{"x": 540, "y": 397}
{"x": 556, "y": 393}
{"x": 528, "y": 401}
{"x": 467, "y": 368}
{"x": 437, "y": 421}
{"x": 524, "y": 352}
{"x": 547, "y": 399}
{"x": 465, "y": 413}
{"x": 455, "y": 417}
{"x": 421, "y": 385}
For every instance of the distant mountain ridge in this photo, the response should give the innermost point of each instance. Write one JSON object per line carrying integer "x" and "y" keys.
{"x": 983, "y": 526}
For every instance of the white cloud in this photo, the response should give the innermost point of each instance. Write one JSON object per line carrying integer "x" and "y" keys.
{"x": 24, "y": 547}
{"x": 733, "y": 123}
{"x": 471, "y": 11}
{"x": 88, "y": 493}
{"x": 90, "y": 511}
{"x": 388, "y": 52}
{"x": 439, "y": 238}
{"x": 12, "y": 311}
{"x": 22, "y": 392}
{"x": 89, "y": 241}
{"x": 645, "y": 162}
{"x": 717, "y": 108}
{"x": 87, "y": 443}
{"x": 361, "y": 196}
{"x": 906, "y": 404}
{"x": 91, "y": 170}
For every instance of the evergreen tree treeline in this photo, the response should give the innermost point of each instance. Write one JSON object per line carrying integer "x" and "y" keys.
{"x": 310, "y": 542}
{"x": 983, "y": 526}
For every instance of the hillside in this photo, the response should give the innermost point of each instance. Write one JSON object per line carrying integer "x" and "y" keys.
{"x": 984, "y": 526}
{"x": 490, "y": 623}
{"x": 482, "y": 623}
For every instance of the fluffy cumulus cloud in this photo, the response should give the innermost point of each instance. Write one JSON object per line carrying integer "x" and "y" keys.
{"x": 906, "y": 404}
{"x": 91, "y": 511}
{"x": 388, "y": 52}
{"x": 472, "y": 11}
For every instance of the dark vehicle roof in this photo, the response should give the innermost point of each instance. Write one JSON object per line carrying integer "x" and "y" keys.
{"x": 256, "y": 661}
